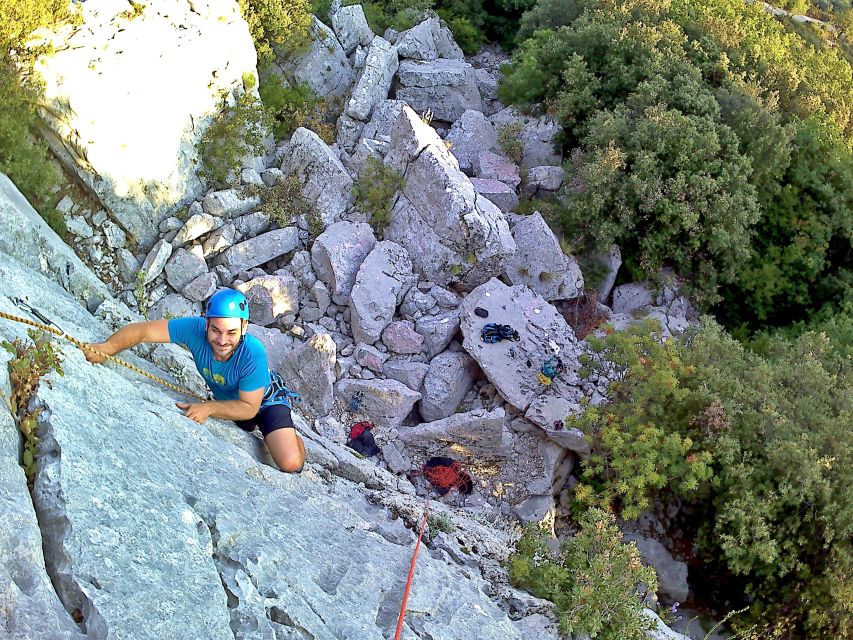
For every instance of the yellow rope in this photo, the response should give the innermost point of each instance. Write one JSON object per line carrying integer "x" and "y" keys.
{"x": 84, "y": 346}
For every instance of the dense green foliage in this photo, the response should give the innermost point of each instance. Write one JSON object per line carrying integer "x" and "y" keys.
{"x": 290, "y": 107}
{"x": 276, "y": 23}
{"x": 593, "y": 581}
{"x": 237, "y": 131}
{"x": 703, "y": 135}
{"x": 759, "y": 441}
{"x": 374, "y": 193}
{"x": 24, "y": 155}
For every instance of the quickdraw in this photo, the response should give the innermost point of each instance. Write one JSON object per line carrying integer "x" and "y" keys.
{"x": 278, "y": 393}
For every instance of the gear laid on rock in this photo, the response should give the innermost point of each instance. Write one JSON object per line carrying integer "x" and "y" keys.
{"x": 493, "y": 333}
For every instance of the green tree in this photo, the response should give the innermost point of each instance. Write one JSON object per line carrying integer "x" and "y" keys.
{"x": 282, "y": 23}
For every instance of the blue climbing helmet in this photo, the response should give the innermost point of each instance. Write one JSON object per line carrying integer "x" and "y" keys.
{"x": 227, "y": 303}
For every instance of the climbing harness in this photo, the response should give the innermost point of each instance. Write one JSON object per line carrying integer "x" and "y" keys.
{"x": 278, "y": 393}
{"x": 493, "y": 333}
{"x": 550, "y": 370}
{"x": 51, "y": 327}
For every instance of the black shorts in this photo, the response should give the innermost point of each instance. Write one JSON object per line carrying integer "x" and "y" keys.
{"x": 269, "y": 419}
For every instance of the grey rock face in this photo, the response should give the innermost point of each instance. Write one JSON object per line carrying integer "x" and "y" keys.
{"x": 534, "y": 509}
{"x": 252, "y": 224}
{"x": 276, "y": 343}
{"x": 550, "y": 411}
{"x": 540, "y": 263}
{"x": 375, "y": 80}
{"x": 220, "y": 240}
{"x": 185, "y": 266}
{"x": 309, "y": 369}
{"x": 451, "y": 233}
{"x": 370, "y": 357}
{"x": 498, "y": 193}
{"x": 495, "y": 166}
{"x": 202, "y": 287}
{"x": 428, "y": 40}
{"x": 382, "y": 280}
{"x": 385, "y": 114}
{"x": 447, "y": 87}
{"x": 400, "y": 337}
{"x": 114, "y": 235}
{"x": 538, "y": 137}
{"x": 482, "y": 433}
{"x": 544, "y": 178}
{"x": 438, "y": 331}
{"x": 469, "y": 135}
{"x": 448, "y": 380}
{"x": 79, "y": 227}
{"x": 543, "y": 331}
{"x": 258, "y": 250}
{"x": 155, "y": 261}
{"x": 672, "y": 573}
{"x": 631, "y": 297}
{"x": 271, "y": 297}
{"x": 351, "y": 27}
{"x": 127, "y": 264}
{"x": 228, "y": 203}
{"x": 337, "y": 254}
{"x": 409, "y": 373}
{"x": 323, "y": 67}
{"x": 386, "y": 402}
{"x": 325, "y": 181}
{"x": 612, "y": 261}
{"x": 173, "y": 305}
{"x": 195, "y": 227}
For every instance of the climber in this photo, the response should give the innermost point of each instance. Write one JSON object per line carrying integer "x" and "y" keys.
{"x": 234, "y": 366}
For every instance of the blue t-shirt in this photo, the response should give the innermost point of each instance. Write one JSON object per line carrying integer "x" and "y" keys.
{"x": 245, "y": 370}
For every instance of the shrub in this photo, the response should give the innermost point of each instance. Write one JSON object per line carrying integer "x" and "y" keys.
{"x": 467, "y": 36}
{"x": 596, "y": 582}
{"x": 237, "y": 131}
{"x": 276, "y": 23}
{"x": 509, "y": 140}
{"x": 284, "y": 203}
{"x": 291, "y": 107}
{"x": 29, "y": 364}
{"x": 374, "y": 193}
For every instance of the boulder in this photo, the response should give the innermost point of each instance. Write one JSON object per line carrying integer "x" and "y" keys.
{"x": 540, "y": 263}
{"x": 271, "y": 297}
{"x": 382, "y": 280}
{"x": 495, "y": 166}
{"x": 672, "y": 573}
{"x": 220, "y": 240}
{"x": 535, "y": 509}
{"x": 323, "y": 66}
{"x": 309, "y": 369}
{"x": 127, "y": 264}
{"x": 276, "y": 343}
{"x": 260, "y": 249}
{"x": 351, "y": 27}
{"x": 611, "y": 263}
{"x": 103, "y": 93}
{"x": 185, "y": 266}
{"x": 202, "y": 287}
{"x": 375, "y": 80}
{"x": 369, "y": 357}
{"x": 446, "y": 87}
{"x": 325, "y": 181}
{"x": 252, "y": 224}
{"x": 195, "y": 227}
{"x": 543, "y": 179}
{"x": 113, "y": 234}
{"x": 337, "y": 254}
{"x": 512, "y": 367}
{"x": 385, "y": 114}
{"x": 384, "y": 402}
{"x": 550, "y": 411}
{"x": 428, "y": 40}
{"x": 538, "y": 136}
{"x": 395, "y": 459}
{"x": 400, "y": 337}
{"x": 450, "y": 377}
{"x": 498, "y": 193}
{"x": 229, "y": 203}
{"x": 632, "y": 297}
{"x": 173, "y": 305}
{"x": 469, "y": 135}
{"x": 409, "y": 373}
{"x": 481, "y": 434}
{"x": 438, "y": 331}
{"x": 155, "y": 261}
{"x": 451, "y": 233}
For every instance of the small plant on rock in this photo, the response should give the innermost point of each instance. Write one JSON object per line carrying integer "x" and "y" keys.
{"x": 439, "y": 523}
{"x": 140, "y": 294}
{"x": 283, "y": 202}
{"x": 597, "y": 582}
{"x": 375, "y": 191}
{"x": 509, "y": 140}
{"x": 30, "y": 362}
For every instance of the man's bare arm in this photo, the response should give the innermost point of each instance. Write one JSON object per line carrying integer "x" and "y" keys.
{"x": 246, "y": 407}
{"x": 129, "y": 336}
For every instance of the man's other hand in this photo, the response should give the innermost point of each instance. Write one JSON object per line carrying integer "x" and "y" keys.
{"x": 198, "y": 412}
{"x": 93, "y": 357}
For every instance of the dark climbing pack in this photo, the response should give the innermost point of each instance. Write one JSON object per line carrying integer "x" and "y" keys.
{"x": 361, "y": 439}
{"x": 446, "y": 474}
{"x": 278, "y": 393}
{"x": 550, "y": 370}
{"x": 493, "y": 333}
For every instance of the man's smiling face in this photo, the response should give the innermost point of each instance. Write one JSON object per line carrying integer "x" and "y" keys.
{"x": 223, "y": 335}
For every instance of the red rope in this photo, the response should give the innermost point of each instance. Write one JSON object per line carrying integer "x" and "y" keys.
{"x": 411, "y": 575}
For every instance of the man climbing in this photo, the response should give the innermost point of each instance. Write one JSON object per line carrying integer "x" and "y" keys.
{"x": 234, "y": 366}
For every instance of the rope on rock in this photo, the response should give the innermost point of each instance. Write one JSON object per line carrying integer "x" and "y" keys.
{"x": 408, "y": 588}
{"x": 85, "y": 347}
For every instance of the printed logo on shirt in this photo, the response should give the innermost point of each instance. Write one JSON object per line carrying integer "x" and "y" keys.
{"x": 216, "y": 377}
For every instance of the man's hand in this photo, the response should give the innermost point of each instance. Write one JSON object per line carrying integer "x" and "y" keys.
{"x": 93, "y": 357}
{"x": 199, "y": 412}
